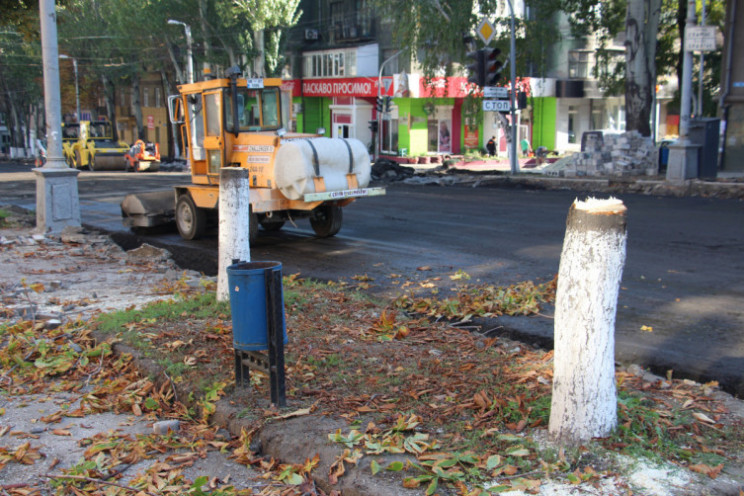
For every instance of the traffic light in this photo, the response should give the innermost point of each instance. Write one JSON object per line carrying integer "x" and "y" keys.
{"x": 476, "y": 68}
{"x": 388, "y": 103}
{"x": 379, "y": 104}
{"x": 373, "y": 126}
{"x": 492, "y": 66}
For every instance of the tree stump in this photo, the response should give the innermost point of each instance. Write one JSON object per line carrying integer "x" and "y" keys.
{"x": 234, "y": 225}
{"x": 584, "y": 402}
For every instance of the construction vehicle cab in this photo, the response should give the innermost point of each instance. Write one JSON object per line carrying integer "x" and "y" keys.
{"x": 238, "y": 122}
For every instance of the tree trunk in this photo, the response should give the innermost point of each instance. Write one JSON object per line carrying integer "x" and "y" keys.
{"x": 109, "y": 94}
{"x": 234, "y": 224}
{"x": 641, "y": 26}
{"x": 137, "y": 106}
{"x": 205, "y": 32}
{"x": 584, "y": 403}
{"x": 259, "y": 61}
{"x": 174, "y": 59}
{"x": 173, "y": 148}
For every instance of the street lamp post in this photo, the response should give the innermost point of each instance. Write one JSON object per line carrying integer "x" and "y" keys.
{"x": 77, "y": 89}
{"x": 57, "y": 201}
{"x": 189, "y": 53}
{"x": 513, "y": 71}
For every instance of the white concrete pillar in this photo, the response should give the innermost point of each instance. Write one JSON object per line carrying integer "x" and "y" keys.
{"x": 234, "y": 225}
{"x": 584, "y": 402}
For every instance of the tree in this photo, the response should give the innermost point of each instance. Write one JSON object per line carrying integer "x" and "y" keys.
{"x": 20, "y": 75}
{"x": 641, "y": 26}
{"x": 263, "y": 16}
{"x": 584, "y": 401}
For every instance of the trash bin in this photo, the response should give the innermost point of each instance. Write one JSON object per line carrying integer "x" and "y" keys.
{"x": 248, "y": 295}
{"x": 705, "y": 131}
{"x": 663, "y": 156}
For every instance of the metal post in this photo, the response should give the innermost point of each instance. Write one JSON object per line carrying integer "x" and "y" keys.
{"x": 683, "y": 155}
{"x": 57, "y": 201}
{"x": 513, "y": 76}
{"x": 702, "y": 64}
{"x": 275, "y": 321}
{"x": 686, "y": 95}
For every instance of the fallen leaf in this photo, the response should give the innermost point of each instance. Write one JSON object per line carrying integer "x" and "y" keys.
{"x": 711, "y": 472}
{"x": 61, "y": 432}
{"x": 703, "y": 418}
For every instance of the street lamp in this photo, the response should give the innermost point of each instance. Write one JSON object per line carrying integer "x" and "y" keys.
{"x": 77, "y": 90}
{"x": 189, "y": 54}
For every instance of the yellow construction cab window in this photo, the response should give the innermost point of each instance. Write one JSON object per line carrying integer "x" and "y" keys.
{"x": 258, "y": 110}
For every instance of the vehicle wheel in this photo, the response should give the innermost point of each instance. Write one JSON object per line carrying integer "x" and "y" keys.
{"x": 326, "y": 220}
{"x": 272, "y": 224}
{"x": 190, "y": 220}
{"x": 92, "y": 162}
{"x": 70, "y": 161}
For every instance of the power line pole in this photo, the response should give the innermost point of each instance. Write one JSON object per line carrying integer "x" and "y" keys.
{"x": 57, "y": 202}
{"x": 683, "y": 155}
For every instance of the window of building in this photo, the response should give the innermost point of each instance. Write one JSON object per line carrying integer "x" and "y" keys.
{"x": 389, "y": 136}
{"x": 578, "y": 64}
{"x": 158, "y": 97}
{"x": 572, "y": 117}
{"x": 145, "y": 97}
{"x": 334, "y": 63}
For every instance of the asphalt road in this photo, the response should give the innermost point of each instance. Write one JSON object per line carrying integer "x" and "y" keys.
{"x": 684, "y": 274}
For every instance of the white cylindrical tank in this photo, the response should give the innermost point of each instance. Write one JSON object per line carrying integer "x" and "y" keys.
{"x": 295, "y": 165}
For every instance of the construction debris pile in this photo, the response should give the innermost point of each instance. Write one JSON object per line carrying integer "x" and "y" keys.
{"x": 627, "y": 154}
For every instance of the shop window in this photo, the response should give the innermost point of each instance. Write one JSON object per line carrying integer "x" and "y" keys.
{"x": 390, "y": 136}
{"x": 440, "y": 135}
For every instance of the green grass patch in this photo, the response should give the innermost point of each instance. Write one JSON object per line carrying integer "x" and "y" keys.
{"x": 201, "y": 306}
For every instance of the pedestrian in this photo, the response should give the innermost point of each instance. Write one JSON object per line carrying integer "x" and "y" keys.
{"x": 491, "y": 146}
{"x": 526, "y": 148}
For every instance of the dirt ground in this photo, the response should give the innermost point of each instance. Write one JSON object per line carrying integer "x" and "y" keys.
{"x": 383, "y": 368}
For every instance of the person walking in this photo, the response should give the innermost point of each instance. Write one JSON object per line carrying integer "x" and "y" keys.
{"x": 491, "y": 146}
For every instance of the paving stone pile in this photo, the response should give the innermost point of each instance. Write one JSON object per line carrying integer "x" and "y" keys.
{"x": 627, "y": 154}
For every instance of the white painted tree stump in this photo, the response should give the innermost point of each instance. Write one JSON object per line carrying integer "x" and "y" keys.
{"x": 234, "y": 225}
{"x": 584, "y": 402}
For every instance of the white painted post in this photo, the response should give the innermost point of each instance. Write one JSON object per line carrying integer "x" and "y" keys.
{"x": 57, "y": 199}
{"x": 584, "y": 403}
{"x": 234, "y": 226}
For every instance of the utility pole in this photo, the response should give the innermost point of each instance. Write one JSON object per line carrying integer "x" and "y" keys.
{"x": 513, "y": 77}
{"x": 57, "y": 201}
{"x": 683, "y": 155}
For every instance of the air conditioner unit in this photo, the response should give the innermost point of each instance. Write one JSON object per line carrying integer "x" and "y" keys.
{"x": 311, "y": 34}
